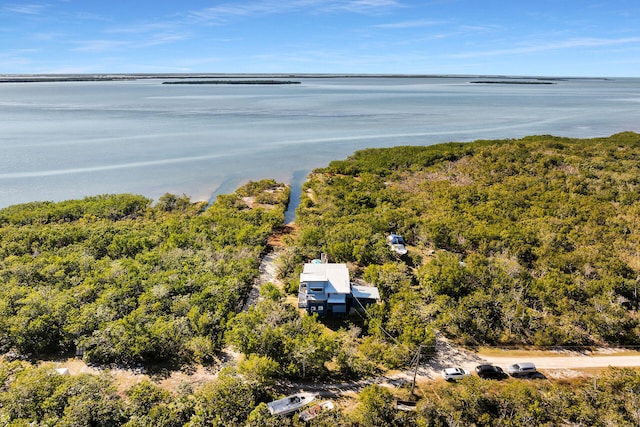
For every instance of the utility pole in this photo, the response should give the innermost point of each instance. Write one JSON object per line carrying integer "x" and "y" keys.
{"x": 415, "y": 371}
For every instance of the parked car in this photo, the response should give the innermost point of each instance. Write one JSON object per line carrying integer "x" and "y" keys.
{"x": 490, "y": 371}
{"x": 524, "y": 369}
{"x": 453, "y": 374}
{"x": 397, "y": 244}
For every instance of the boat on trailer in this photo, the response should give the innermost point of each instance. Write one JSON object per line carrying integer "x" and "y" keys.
{"x": 290, "y": 403}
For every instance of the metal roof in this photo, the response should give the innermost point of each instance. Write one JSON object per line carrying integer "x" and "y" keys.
{"x": 335, "y": 275}
{"x": 365, "y": 292}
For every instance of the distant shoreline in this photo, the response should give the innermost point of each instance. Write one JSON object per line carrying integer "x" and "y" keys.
{"x": 40, "y": 78}
{"x": 233, "y": 82}
{"x": 55, "y": 79}
{"x": 512, "y": 82}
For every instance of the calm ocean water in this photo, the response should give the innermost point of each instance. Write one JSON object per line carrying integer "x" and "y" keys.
{"x": 68, "y": 140}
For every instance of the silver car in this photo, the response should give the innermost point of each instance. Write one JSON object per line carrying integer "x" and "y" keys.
{"x": 523, "y": 369}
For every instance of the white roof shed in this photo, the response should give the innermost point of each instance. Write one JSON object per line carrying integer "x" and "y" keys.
{"x": 365, "y": 292}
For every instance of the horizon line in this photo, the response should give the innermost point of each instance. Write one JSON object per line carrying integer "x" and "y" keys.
{"x": 14, "y": 77}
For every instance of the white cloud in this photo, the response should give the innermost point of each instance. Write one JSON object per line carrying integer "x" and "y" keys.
{"x": 262, "y": 7}
{"x": 409, "y": 24}
{"x": 100, "y": 45}
{"x": 367, "y": 6}
{"x": 105, "y": 45}
{"x": 161, "y": 38}
{"x": 142, "y": 28}
{"x": 26, "y": 9}
{"x": 224, "y": 11}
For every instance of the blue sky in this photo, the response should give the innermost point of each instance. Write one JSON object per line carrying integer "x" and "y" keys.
{"x": 542, "y": 37}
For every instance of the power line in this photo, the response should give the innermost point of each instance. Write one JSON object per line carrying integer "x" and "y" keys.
{"x": 369, "y": 316}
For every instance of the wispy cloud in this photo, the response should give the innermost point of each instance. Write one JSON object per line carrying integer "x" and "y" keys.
{"x": 143, "y": 28}
{"x": 409, "y": 24}
{"x": 368, "y": 6}
{"x": 477, "y": 28}
{"x": 464, "y": 31}
{"x": 86, "y": 16}
{"x": 134, "y": 36}
{"x": 26, "y": 9}
{"x": 566, "y": 44}
{"x": 100, "y": 45}
{"x": 225, "y": 11}
{"x": 106, "y": 45}
{"x": 148, "y": 34}
{"x": 160, "y": 39}
{"x": 17, "y": 52}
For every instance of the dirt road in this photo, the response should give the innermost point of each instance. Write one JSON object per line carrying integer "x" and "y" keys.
{"x": 560, "y": 364}
{"x": 571, "y": 362}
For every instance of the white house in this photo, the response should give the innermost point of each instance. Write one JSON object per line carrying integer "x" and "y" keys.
{"x": 327, "y": 290}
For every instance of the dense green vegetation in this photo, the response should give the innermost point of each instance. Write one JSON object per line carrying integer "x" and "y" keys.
{"x": 517, "y": 242}
{"x": 127, "y": 281}
{"x": 302, "y": 347}
{"x": 530, "y": 241}
{"x": 37, "y": 395}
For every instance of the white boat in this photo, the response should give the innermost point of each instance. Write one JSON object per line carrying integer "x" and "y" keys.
{"x": 314, "y": 411}
{"x": 291, "y": 403}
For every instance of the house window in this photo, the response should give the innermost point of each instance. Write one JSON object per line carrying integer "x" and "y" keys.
{"x": 317, "y": 289}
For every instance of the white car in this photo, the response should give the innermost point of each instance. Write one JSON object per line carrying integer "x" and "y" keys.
{"x": 452, "y": 374}
{"x": 524, "y": 369}
{"x": 397, "y": 244}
